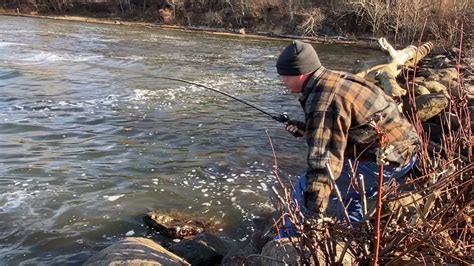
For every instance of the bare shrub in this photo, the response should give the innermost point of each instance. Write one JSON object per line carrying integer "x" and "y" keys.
{"x": 166, "y": 15}
{"x": 374, "y": 11}
{"x": 312, "y": 21}
{"x": 446, "y": 22}
{"x": 213, "y": 19}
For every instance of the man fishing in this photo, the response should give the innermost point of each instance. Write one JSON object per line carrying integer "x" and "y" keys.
{"x": 341, "y": 114}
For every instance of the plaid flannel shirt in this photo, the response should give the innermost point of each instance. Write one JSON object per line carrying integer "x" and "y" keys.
{"x": 338, "y": 107}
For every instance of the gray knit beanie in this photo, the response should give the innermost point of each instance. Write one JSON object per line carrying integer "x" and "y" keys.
{"x": 297, "y": 58}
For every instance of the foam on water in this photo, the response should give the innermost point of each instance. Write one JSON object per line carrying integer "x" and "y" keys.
{"x": 113, "y": 198}
{"x": 49, "y": 57}
{"x": 130, "y": 58}
{"x": 168, "y": 97}
{"x": 4, "y": 44}
{"x": 13, "y": 201}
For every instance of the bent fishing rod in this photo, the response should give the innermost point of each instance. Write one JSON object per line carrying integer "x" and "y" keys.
{"x": 282, "y": 118}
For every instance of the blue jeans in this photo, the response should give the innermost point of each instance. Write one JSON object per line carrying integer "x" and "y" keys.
{"x": 370, "y": 170}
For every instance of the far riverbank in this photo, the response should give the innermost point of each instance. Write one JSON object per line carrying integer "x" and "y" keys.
{"x": 362, "y": 42}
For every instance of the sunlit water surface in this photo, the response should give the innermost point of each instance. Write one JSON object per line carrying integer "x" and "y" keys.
{"x": 91, "y": 141}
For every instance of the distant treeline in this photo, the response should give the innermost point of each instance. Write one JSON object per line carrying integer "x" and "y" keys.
{"x": 401, "y": 20}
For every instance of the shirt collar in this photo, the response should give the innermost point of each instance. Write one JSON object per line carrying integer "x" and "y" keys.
{"x": 310, "y": 82}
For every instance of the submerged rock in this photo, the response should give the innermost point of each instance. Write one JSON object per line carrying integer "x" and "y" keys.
{"x": 279, "y": 252}
{"x": 135, "y": 251}
{"x": 243, "y": 253}
{"x": 204, "y": 249}
{"x": 173, "y": 224}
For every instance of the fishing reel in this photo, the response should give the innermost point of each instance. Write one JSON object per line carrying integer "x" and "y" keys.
{"x": 283, "y": 118}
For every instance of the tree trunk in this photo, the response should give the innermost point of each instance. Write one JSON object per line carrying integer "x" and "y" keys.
{"x": 386, "y": 69}
{"x": 121, "y": 8}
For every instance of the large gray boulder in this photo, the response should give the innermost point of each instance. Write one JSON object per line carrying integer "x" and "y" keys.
{"x": 135, "y": 251}
{"x": 427, "y": 105}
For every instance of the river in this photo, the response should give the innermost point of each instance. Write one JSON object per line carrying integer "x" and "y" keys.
{"x": 91, "y": 141}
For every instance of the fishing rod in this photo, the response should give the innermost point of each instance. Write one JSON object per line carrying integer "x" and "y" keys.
{"x": 282, "y": 118}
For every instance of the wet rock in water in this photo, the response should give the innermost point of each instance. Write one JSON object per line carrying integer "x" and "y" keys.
{"x": 204, "y": 249}
{"x": 242, "y": 253}
{"x": 135, "y": 251}
{"x": 173, "y": 224}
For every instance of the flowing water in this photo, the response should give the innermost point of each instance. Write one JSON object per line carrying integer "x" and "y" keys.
{"x": 90, "y": 141}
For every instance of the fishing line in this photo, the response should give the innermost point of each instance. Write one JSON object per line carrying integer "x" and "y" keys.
{"x": 282, "y": 118}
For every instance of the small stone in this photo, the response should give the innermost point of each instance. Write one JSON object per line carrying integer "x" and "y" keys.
{"x": 470, "y": 90}
{"x": 449, "y": 83}
{"x": 441, "y": 61}
{"x": 455, "y": 51}
{"x": 434, "y": 77}
{"x": 420, "y": 90}
{"x": 434, "y": 86}
{"x": 419, "y": 79}
{"x": 425, "y": 72}
{"x": 451, "y": 73}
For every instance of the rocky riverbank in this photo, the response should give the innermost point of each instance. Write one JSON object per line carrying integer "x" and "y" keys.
{"x": 364, "y": 42}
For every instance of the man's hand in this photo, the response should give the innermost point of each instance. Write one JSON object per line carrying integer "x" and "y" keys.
{"x": 292, "y": 127}
{"x": 317, "y": 200}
